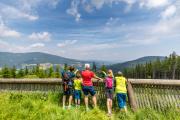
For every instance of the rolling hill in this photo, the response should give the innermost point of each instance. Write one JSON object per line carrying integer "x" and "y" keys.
{"x": 121, "y": 66}
{"x": 18, "y": 59}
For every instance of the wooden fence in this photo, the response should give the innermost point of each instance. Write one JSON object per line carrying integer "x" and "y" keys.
{"x": 156, "y": 94}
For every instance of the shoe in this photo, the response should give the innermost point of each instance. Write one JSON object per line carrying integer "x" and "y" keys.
{"x": 69, "y": 107}
{"x": 87, "y": 109}
{"x": 109, "y": 114}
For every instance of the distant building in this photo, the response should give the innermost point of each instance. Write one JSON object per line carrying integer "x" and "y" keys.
{"x": 28, "y": 66}
{"x": 45, "y": 66}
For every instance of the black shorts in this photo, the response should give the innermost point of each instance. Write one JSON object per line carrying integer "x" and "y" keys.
{"x": 69, "y": 91}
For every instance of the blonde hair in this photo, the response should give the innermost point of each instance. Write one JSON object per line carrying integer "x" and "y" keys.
{"x": 110, "y": 73}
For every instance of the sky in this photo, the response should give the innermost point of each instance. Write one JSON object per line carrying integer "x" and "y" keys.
{"x": 109, "y": 30}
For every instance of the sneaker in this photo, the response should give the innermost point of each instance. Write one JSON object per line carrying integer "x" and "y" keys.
{"x": 109, "y": 114}
{"x": 69, "y": 107}
{"x": 87, "y": 109}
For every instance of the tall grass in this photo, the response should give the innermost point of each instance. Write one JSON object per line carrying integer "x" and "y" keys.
{"x": 45, "y": 106}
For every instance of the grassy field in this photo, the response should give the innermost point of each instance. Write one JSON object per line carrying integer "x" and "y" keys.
{"x": 44, "y": 106}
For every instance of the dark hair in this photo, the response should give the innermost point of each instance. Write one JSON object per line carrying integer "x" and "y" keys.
{"x": 78, "y": 74}
{"x": 71, "y": 68}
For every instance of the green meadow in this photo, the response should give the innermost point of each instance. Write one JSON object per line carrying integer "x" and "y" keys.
{"x": 45, "y": 106}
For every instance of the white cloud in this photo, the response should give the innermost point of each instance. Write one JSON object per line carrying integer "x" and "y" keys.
{"x": 11, "y": 12}
{"x": 153, "y": 3}
{"x": 74, "y": 10}
{"x": 5, "y": 46}
{"x": 67, "y": 43}
{"x": 169, "y": 12}
{"x": 42, "y": 36}
{"x": 98, "y": 3}
{"x": 88, "y": 8}
{"x": 37, "y": 45}
{"x": 6, "y": 31}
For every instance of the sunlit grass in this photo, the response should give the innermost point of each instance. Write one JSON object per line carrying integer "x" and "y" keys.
{"x": 45, "y": 106}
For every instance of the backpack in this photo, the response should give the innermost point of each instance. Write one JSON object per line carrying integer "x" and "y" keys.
{"x": 67, "y": 82}
{"x": 109, "y": 82}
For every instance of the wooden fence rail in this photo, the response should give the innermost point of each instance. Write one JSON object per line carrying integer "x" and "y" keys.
{"x": 156, "y": 94}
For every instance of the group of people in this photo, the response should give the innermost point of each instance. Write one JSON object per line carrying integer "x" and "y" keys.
{"x": 74, "y": 82}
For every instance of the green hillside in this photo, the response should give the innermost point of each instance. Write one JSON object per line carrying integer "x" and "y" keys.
{"x": 18, "y": 59}
{"x": 133, "y": 63}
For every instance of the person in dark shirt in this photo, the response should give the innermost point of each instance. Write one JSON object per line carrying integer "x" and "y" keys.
{"x": 67, "y": 79}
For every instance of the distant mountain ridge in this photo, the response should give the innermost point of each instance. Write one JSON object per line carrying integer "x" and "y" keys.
{"x": 18, "y": 59}
{"x": 120, "y": 66}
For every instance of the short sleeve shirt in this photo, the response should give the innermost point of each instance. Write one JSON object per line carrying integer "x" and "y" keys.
{"x": 87, "y": 76}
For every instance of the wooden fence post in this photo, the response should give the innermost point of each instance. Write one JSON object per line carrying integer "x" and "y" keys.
{"x": 131, "y": 97}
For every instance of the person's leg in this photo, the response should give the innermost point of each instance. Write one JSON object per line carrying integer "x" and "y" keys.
{"x": 93, "y": 94}
{"x": 70, "y": 97}
{"x": 64, "y": 101}
{"x": 94, "y": 101}
{"x": 108, "y": 101}
{"x": 75, "y": 97}
{"x": 79, "y": 102}
{"x": 108, "y": 105}
{"x": 79, "y": 98}
{"x": 111, "y": 99}
{"x": 85, "y": 91}
{"x": 124, "y": 103}
{"x": 70, "y": 100}
{"x": 86, "y": 102}
{"x": 119, "y": 100}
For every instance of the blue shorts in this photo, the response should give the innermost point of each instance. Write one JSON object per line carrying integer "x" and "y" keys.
{"x": 88, "y": 89}
{"x": 77, "y": 94}
{"x": 121, "y": 98}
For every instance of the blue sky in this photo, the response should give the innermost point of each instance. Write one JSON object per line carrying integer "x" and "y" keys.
{"x": 112, "y": 30}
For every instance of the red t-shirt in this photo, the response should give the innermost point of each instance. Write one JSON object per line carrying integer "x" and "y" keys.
{"x": 87, "y": 75}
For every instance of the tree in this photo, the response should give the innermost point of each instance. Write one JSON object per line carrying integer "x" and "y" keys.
{"x": 6, "y": 73}
{"x": 51, "y": 72}
{"x": 13, "y": 72}
{"x": 41, "y": 74}
{"x": 65, "y": 66}
{"x": 20, "y": 73}
{"x": 103, "y": 68}
{"x": 26, "y": 71}
{"x": 94, "y": 68}
{"x": 57, "y": 72}
{"x": 37, "y": 70}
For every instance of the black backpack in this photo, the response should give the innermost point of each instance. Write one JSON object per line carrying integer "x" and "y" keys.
{"x": 67, "y": 82}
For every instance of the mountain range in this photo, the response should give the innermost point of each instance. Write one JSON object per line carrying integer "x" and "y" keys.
{"x": 18, "y": 59}
{"x": 120, "y": 66}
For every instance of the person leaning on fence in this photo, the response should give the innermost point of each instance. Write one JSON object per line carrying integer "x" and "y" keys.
{"x": 109, "y": 84}
{"x": 67, "y": 78}
{"x": 121, "y": 91}
{"x": 87, "y": 88}
{"x": 77, "y": 89}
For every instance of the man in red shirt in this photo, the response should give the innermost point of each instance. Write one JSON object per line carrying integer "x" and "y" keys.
{"x": 87, "y": 88}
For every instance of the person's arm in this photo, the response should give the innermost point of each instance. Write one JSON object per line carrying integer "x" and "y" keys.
{"x": 114, "y": 83}
{"x": 96, "y": 77}
{"x": 126, "y": 82}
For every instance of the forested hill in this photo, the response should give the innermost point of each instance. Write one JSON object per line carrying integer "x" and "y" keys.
{"x": 133, "y": 63}
{"x": 18, "y": 59}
